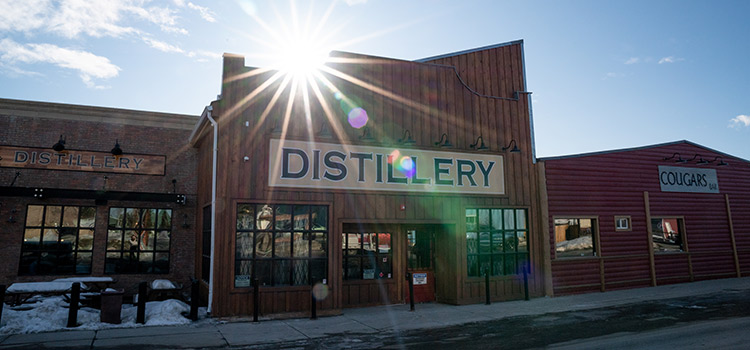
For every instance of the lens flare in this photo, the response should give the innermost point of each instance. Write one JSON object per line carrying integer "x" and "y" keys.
{"x": 406, "y": 166}
{"x": 393, "y": 157}
{"x": 358, "y": 117}
{"x": 320, "y": 291}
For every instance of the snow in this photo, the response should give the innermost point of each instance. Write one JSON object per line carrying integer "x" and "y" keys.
{"x": 41, "y": 287}
{"x": 583, "y": 242}
{"x": 51, "y": 314}
{"x": 85, "y": 279}
{"x": 162, "y": 284}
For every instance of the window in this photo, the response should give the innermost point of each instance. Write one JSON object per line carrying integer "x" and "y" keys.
{"x": 666, "y": 234}
{"x": 575, "y": 237}
{"x": 496, "y": 240}
{"x": 57, "y": 240}
{"x": 281, "y": 245}
{"x": 622, "y": 223}
{"x": 367, "y": 255}
{"x": 206, "y": 245}
{"x": 138, "y": 240}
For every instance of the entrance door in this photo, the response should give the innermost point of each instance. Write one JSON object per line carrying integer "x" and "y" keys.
{"x": 420, "y": 262}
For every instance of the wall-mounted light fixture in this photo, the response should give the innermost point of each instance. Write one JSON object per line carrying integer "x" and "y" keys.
{"x": 366, "y": 136}
{"x": 702, "y": 161}
{"x": 185, "y": 223}
{"x": 678, "y": 160}
{"x": 324, "y": 130}
{"x": 18, "y": 173}
{"x": 406, "y": 138}
{"x": 60, "y": 145}
{"x": 481, "y": 146}
{"x": 12, "y": 218}
{"x": 443, "y": 142}
{"x": 117, "y": 151}
{"x": 515, "y": 148}
{"x": 721, "y": 161}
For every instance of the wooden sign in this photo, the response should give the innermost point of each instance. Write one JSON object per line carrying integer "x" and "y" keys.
{"x": 45, "y": 158}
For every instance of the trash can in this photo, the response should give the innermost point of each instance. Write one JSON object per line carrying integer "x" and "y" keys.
{"x": 111, "y": 305}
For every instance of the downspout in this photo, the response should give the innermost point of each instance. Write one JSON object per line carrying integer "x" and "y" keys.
{"x": 209, "y": 109}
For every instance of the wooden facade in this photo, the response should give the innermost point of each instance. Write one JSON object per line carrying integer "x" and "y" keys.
{"x": 466, "y": 95}
{"x": 626, "y": 183}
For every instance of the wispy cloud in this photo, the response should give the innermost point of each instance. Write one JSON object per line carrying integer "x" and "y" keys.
{"x": 88, "y": 65}
{"x": 205, "y": 13}
{"x": 162, "y": 46}
{"x": 670, "y": 59}
{"x": 612, "y": 75}
{"x": 633, "y": 60}
{"x": 740, "y": 120}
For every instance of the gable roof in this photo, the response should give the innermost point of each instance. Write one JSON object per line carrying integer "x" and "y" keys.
{"x": 642, "y": 148}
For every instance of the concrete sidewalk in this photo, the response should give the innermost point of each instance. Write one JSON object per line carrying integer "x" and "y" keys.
{"x": 381, "y": 319}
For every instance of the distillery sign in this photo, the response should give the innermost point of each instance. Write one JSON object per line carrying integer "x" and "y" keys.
{"x": 44, "y": 158}
{"x": 353, "y": 167}
{"x": 692, "y": 180}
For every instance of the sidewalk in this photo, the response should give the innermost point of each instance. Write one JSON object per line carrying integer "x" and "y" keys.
{"x": 392, "y": 318}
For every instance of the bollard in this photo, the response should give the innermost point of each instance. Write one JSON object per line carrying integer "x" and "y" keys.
{"x": 411, "y": 291}
{"x": 256, "y": 299}
{"x": 526, "y": 282}
{"x": 75, "y": 297}
{"x": 194, "y": 298}
{"x": 487, "y": 286}
{"x": 141, "y": 311}
{"x": 2, "y": 301}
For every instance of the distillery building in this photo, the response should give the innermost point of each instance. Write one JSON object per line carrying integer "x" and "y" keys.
{"x": 667, "y": 213}
{"x": 347, "y": 179}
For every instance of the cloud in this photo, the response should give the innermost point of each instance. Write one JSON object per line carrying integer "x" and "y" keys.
{"x": 88, "y": 65}
{"x": 355, "y": 2}
{"x": 162, "y": 46}
{"x": 205, "y": 13}
{"x": 633, "y": 60}
{"x": 740, "y": 120}
{"x": 23, "y": 15}
{"x": 670, "y": 59}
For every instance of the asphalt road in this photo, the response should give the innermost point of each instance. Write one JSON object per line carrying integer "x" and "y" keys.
{"x": 708, "y": 321}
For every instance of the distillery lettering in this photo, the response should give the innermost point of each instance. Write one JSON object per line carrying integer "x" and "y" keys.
{"x": 76, "y": 160}
{"x": 692, "y": 180}
{"x": 372, "y": 166}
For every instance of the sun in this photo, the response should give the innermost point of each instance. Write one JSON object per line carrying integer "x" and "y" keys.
{"x": 301, "y": 56}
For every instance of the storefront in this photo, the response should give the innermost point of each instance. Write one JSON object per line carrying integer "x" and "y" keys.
{"x": 347, "y": 180}
{"x": 667, "y": 213}
{"x": 90, "y": 191}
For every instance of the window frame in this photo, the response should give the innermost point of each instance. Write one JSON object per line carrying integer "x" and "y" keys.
{"x": 680, "y": 224}
{"x": 362, "y": 254}
{"x": 138, "y": 228}
{"x": 518, "y": 256}
{"x": 629, "y": 220}
{"x": 56, "y": 247}
{"x": 596, "y": 236}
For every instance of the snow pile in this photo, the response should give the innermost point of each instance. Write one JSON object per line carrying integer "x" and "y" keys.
{"x": 162, "y": 284}
{"x": 575, "y": 244}
{"x": 51, "y": 314}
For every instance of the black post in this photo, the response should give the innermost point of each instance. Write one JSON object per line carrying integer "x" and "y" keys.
{"x": 487, "y": 286}
{"x": 526, "y": 282}
{"x": 75, "y": 297}
{"x": 140, "y": 315}
{"x": 313, "y": 306}
{"x": 256, "y": 299}
{"x": 2, "y": 300}
{"x": 411, "y": 291}
{"x": 194, "y": 299}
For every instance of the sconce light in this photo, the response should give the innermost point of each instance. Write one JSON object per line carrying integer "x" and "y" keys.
{"x": 12, "y": 218}
{"x": 515, "y": 148}
{"x": 117, "y": 151}
{"x": 721, "y": 161}
{"x": 406, "y": 138}
{"x": 443, "y": 142}
{"x": 185, "y": 223}
{"x": 366, "y": 134}
{"x": 18, "y": 173}
{"x": 60, "y": 145}
{"x": 324, "y": 130}
{"x": 702, "y": 161}
{"x": 481, "y": 147}
{"x": 678, "y": 160}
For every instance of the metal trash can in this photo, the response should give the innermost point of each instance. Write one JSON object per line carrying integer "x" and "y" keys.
{"x": 111, "y": 306}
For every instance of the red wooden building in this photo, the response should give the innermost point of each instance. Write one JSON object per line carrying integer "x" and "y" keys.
{"x": 660, "y": 214}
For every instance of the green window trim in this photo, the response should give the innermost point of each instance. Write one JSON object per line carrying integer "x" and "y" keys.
{"x": 496, "y": 240}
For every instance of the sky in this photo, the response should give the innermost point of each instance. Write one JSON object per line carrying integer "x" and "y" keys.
{"x": 604, "y": 74}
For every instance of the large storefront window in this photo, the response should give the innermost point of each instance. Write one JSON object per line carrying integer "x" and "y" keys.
{"x": 575, "y": 237}
{"x": 57, "y": 240}
{"x": 138, "y": 240}
{"x": 496, "y": 240}
{"x": 281, "y": 245}
{"x": 367, "y": 255}
{"x": 666, "y": 235}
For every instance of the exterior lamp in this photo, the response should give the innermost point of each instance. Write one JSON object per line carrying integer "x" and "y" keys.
{"x": 702, "y": 161}
{"x": 406, "y": 138}
{"x": 117, "y": 151}
{"x": 366, "y": 135}
{"x": 515, "y": 148}
{"x": 481, "y": 146}
{"x": 721, "y": 161}
{"x": 443, "y": 142}
{"x": 60, "y": 145}
{"x": 324, "y": 130}
{"x": 678, "y": 160}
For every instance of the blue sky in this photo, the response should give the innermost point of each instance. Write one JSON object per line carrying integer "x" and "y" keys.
{"x": 604, "y": 74}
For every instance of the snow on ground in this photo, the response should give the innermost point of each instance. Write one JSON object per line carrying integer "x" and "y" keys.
{"x": 583, "y": 242}
{"x": 51, "y": 314}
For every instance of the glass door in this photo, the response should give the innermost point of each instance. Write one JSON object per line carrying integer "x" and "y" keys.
{"x": 420, "y": 262}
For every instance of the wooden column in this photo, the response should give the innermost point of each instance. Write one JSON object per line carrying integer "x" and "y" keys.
{"x": 731, "y": 235}
{"x": 647, "y": 207}
{"x": 544, "y": 225}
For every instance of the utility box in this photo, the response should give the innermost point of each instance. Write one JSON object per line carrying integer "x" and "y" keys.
{"x": 111, "y": 306}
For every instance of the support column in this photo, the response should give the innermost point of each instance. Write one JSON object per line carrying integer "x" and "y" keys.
{"x": 731, "y": 234}
{"x": 647, "y": 207}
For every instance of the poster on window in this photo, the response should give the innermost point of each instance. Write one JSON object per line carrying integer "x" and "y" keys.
{"x": 419, "y": 278}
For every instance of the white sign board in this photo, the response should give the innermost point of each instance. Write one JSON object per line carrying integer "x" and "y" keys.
{"x": 690, "y": 180}
{"x": 354, "y": 167}
{"x": 419, "y": 278}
